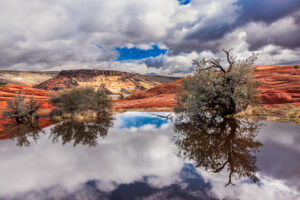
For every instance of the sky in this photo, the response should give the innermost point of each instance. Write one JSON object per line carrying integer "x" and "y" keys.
{"x": 142, "y": 36}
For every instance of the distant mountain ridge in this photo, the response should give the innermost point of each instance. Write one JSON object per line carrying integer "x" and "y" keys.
{"x": 24, "y": 77}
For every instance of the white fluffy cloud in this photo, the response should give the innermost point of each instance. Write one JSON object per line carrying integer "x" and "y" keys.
{"x": 62, "y": 34}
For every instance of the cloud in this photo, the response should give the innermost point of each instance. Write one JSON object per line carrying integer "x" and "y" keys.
{"x": 266, "y": 11}
{"x": 282, "y": 32}
{"x": 61, "y": 34}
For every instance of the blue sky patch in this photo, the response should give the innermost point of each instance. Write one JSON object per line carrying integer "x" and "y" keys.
{"x": 184, "y": 2}
{"x": 139, "y": 121}
{"x": 135, "y": 53}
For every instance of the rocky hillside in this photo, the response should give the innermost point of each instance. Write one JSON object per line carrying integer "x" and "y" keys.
{"x": 115, "y": 82}
{"x": 279, "y": 84}
{"x": 24, "y": 77}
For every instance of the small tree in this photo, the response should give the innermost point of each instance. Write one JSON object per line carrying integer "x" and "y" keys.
{"x": 217, "y": 90}
{"x": 21, "y": 108}
{"x": 82, "y": 99}
{"x": 103, "y": 101}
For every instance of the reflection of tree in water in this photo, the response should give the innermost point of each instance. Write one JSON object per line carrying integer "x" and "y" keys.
{"x": 215, "y": 144}
{"x": 23, "y": 132}
{"x": 79, "y": 132}
{"x": 82, "y": 132}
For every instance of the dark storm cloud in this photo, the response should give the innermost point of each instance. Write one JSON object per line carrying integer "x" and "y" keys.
{"x": 255, "y": 11}
{"x": 210, "y": 32}
{"x": 264, "y": 35}
{"x": 266, "y": 10}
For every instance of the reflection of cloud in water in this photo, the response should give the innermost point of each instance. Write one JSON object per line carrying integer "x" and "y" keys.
{"x": 120, "y": 158}
{"x": 190, "y": 186}
{"x": 280, "y": 157}
{"x": 133, "y": 158}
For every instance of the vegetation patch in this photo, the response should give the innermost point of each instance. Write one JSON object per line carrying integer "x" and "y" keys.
{"x": 216, "y": 90}
{"x": 81, "y": 103}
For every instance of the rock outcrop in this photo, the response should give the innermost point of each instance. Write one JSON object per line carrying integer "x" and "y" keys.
{"x": 114, "y": 81}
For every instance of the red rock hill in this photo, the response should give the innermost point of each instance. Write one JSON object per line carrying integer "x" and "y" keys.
{"x": 280, "y": 84}
{"x": 115, "y": 82}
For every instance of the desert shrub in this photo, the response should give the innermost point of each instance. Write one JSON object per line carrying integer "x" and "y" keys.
{"x": 103, "y": 101}
{"x": 218, "y": 90}
{"x": 21, "y": 108}
{"x": 121, "y": 96}
{"x": 82, "y": 99}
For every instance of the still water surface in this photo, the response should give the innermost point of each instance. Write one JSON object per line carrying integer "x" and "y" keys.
{"x": 143, "y": 156}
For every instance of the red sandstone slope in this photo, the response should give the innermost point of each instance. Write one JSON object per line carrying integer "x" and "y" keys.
{"x": 8, "y": 92}
{"x": 168, "y": 88}
{"x": 159, "y": 96}
{"x": 280, "y": 84}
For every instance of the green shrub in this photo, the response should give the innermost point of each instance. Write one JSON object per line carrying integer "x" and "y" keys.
{"x": 82, "y": 99}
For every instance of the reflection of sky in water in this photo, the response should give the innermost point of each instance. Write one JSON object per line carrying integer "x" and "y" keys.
{"x": 143, "y": 163}
{"x": 139, "y": 121}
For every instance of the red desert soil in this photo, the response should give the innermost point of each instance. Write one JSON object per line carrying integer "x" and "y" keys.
{"x": 280, "y": 84}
